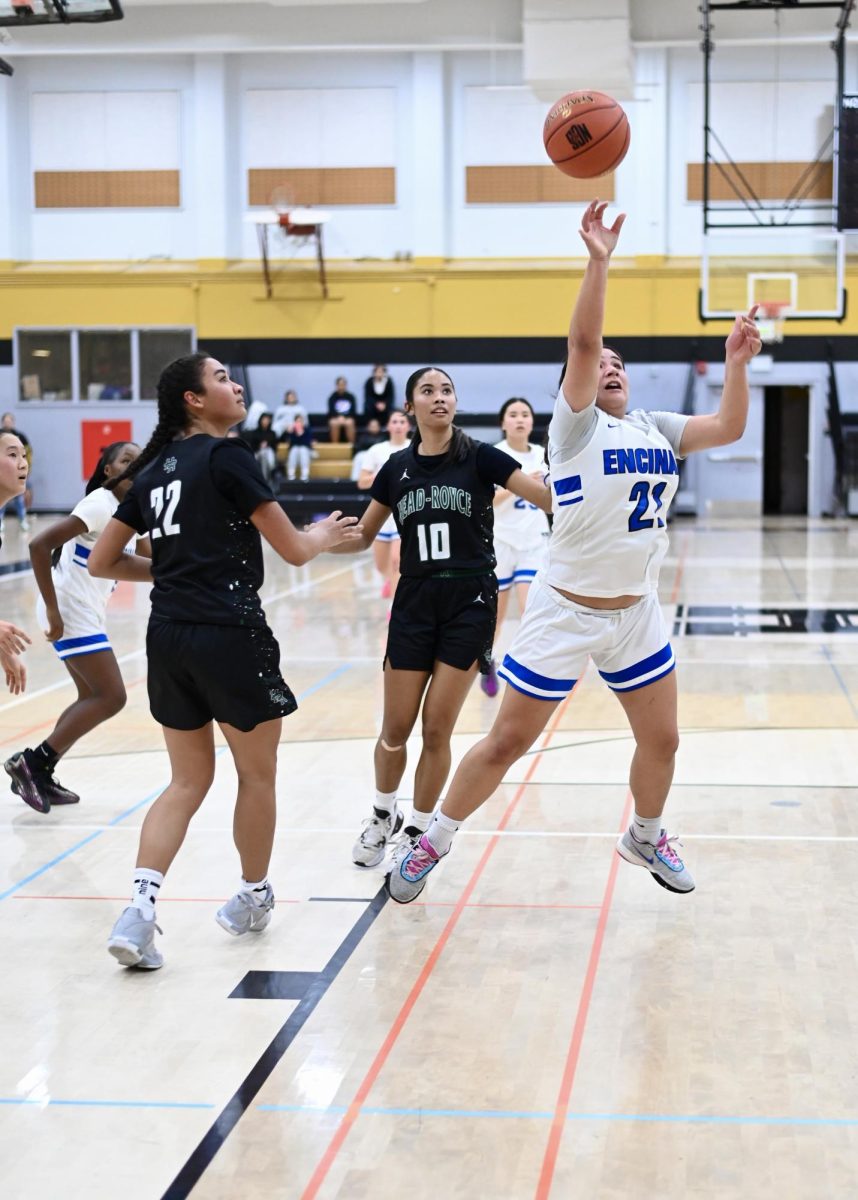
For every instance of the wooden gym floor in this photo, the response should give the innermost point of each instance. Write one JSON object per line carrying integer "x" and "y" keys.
{"x": 546, "y": 1021}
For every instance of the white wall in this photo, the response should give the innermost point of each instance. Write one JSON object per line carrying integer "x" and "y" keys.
{"x": 428, "y": 114}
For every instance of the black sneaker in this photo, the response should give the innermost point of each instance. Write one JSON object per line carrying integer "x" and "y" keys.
{"x": 30, "y": 785}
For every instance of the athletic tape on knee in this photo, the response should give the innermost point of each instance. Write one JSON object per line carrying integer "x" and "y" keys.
{"x": 392, "y": 749}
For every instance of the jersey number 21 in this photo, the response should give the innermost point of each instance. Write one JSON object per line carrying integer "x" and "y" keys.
{"x": 156, "y": 498}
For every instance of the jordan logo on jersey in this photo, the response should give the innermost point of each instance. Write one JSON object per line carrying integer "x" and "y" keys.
{"x": 404, "y": 475}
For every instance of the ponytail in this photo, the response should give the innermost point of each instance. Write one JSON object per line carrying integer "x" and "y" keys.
{"x": 182, "y": 375}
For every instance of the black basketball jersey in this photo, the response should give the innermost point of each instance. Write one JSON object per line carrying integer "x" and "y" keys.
{"x": 194, "y": 501}
{"x": 443, "y": 510}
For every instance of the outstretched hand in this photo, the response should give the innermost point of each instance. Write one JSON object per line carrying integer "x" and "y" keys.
{"x": 12, "y": 639}
{"x": 744, "y": 340}
{"x": 599, "y": 239}
{"x": 337, "y": 530}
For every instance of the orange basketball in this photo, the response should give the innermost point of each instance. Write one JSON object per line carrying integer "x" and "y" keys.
{"x": 586, "y": 134}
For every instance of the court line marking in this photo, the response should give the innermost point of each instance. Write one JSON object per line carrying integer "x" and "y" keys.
{"x": 52, "y": 1102}
{"x": 841, "y": 681}
{"x": 581, "y": 834}
{"x": 201, "y": 1157}
{"x": 16, "y": 887}
{"x": 525, "y": 1115}
{"x": 337, "y": 900}
{"x": 353, "y": 1111}
{"x": 567, "y": 1082}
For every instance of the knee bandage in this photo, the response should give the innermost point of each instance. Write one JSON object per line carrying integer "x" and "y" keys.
{"x": 392, "y": 749}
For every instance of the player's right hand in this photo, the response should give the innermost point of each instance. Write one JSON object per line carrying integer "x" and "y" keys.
{"x": 15, "y": 672}
{"x": 12, "y": 639}
{"x": 56, "y": 627}
{"x": 337, "y": 529}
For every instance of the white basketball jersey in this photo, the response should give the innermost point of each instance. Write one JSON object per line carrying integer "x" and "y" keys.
{"x": 373, "y": 460}
{"x": 610, "y": 501}
{"x": 517, "y": 522}
{"x": 72, "y": 580}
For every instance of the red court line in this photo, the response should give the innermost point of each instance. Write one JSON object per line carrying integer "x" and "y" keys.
{"x": 350, "y": 1116}
{"x": 20, "y": 734}
{"x": 561, "y": 1109}
{"x": 680, "y": 569}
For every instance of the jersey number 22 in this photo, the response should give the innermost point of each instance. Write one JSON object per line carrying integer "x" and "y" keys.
{"x": 156, "y": 498}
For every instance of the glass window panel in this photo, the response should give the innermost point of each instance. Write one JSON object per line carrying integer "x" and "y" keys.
{"x": 105, "y": 365}
{"x": 44, "y": 365}
{"x": 158, "y": 347}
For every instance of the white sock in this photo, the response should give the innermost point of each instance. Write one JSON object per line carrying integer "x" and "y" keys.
{"x": 647, "y": 829}
{"x": 385, "y": 801}
{"x": 256, "y": 891}
{"x": 440, "y": 832}
{"x": 418, "y": 820}
{"x": 144, "y": 892}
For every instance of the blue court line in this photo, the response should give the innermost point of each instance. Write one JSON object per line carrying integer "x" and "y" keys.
{"x": 505, "y": 1114}
{"x": 16, "y": 887}
{"x": 52, "y": 1103}
{"x": 844, "y": 689}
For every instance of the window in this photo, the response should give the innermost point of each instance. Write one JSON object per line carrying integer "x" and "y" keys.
{"x": 157, "y": 348}
{"x": 44, "y": 365}
{"x": 88, "y": 365}
{"x": 104, "y": 365}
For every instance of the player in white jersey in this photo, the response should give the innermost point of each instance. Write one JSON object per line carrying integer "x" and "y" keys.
{"x": 385, "y": 548}
{"x": 613, "y": 477}
{"x": 72, "y": 609}
{"x": 521, "y": 529}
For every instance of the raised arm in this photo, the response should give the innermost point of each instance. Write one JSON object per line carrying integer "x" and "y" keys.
{"x": 108, "y": 559}
{"x": 584, "y": 347}
{"x": 728, "y": 423}
{"x": 298, "y": 546}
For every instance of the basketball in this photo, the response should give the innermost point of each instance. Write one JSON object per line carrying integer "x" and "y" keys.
{"x": 586, "y": 134}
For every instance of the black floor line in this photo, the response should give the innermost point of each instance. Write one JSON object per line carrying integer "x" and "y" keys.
{"x": 201, "y": 1158}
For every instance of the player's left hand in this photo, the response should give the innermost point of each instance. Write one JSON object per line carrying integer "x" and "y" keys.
{"x": 744, "y": 340}
{"x": 600, "y": 239}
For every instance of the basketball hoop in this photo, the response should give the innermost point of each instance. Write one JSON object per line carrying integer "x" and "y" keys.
{"x": 771, "y": 319}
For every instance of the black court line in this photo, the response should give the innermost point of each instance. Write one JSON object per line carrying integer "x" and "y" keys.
{"x": 16, "y": 568}
{"x": 316, "y": 987}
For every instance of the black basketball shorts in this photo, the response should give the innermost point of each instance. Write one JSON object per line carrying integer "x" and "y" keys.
{"x": 224, "y": 673}
{"x": 445, "y": 620}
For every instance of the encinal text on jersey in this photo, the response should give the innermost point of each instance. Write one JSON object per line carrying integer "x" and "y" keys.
{"x": 639, "y": 460}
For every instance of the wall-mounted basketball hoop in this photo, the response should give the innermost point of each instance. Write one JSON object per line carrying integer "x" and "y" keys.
{"x": 771, "y": 320}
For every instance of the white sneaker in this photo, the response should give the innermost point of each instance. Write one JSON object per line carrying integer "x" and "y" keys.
{"x": 242, "y": 913}
{"x": 377, "y": 831}
{"x": 661, "y": 860}
{"x": 25, "y": 525}
{"x": 132, "y": 941}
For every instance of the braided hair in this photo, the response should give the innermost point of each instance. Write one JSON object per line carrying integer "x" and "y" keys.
{"x": 460, "y": 443}
{"x": 109, "y": 455}
{"x": 182, "y": 375}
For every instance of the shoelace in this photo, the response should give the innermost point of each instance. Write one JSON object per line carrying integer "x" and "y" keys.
{"x": 418, "y": 861}
{"x": 664, "y": 848}
{"x": 373, "y": 825}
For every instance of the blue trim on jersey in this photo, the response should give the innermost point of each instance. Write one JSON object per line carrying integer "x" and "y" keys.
{"x": 387, "y": 537}
{"x": 565, "y": 487}
{"x": 506, "y": 581}
{"x": 540, "y": 681}
{"x": 641, "y": 668}
{"x": 80, "y": 643}
{"x": 80, "y": 554}
{"x": 524, "y": 573}
{"x": 645, "y": 682}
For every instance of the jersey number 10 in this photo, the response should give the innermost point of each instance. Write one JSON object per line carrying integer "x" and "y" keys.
{"x": 156, "y": 499}
{"x": 437, "y": 544}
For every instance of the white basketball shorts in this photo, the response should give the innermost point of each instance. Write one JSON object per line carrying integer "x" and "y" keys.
{"x": 629, "y": 646}
{"x": 515, "y": 565}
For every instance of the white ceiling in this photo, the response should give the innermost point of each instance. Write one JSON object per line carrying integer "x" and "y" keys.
{"x": 201, "y": 26}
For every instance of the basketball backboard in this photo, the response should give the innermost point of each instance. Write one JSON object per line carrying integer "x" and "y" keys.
{"x": 23, "y": 13}
{"x": 802, "y": 271}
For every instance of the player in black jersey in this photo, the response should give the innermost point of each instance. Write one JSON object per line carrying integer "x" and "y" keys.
{"x": 440, "y": 490}
{"x": 201, "y": 498}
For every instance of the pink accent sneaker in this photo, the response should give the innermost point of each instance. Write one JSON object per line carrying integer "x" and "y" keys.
{"x": 412, "y": 862}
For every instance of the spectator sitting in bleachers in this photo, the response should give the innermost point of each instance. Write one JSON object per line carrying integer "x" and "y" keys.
{"x": 287, "y": 413}
{"x": 342, "y": 412}
{"x": 301, "y": 446}
{"x": 263, "y": 442}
